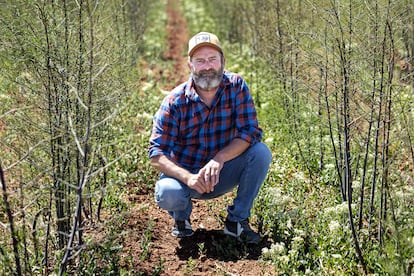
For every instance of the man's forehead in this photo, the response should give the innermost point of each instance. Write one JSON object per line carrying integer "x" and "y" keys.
{"x": 206, "y": 52}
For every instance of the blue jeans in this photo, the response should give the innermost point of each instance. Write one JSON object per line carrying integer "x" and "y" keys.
{"x": 247, "y": 171}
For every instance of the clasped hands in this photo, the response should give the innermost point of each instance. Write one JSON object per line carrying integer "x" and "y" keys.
{"x": 208, "y": 177}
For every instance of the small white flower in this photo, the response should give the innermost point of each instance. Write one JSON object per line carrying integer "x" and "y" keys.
{"x": 265, "y": 105}
{"x": 298, "y": 240}
{"x": 289, "y": 223}
{"x": 300, "y": 176}
{"x": 145, "y": 115}
{"x": 356, "y": 184}
{"x": 339, "y": 209}
{"x": 284, "y": 259}
{"x": 278, "y": 248}
{"x": 293, "y": 252}
{"x": 334, "y": 226}
{"x": 147, "y": 86}
{"x": 336, "y": 256}
{"x": 409, "y": 189}
{"x": 400, "y": 194}
{"x": 300, "y": 233}
{"x": 411, "y": 240}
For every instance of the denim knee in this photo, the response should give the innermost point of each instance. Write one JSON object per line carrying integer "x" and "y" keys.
{"x": 170, "y": 196}
{"x": 262, "y": 154}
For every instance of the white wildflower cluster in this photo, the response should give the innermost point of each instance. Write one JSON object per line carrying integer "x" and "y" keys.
{"x": 278, "y": 167}
{"x": 334, "y": 227}
{"x": 411, "y": 240}
{"x": 336, "y": 256}
{"x": 356, "y": 185}
{"x": 284, "y": 257}
{"x": 147, "y": 86}
{"x": 300, "y": 233}
{"x": 339, "y": 209}
{"x": 409, "y": 189}
{"x": 276, "y": 250}
{"x": 297, "y": 245}
{"x": 145, "y": 115}
{"x": 400, "y": 195}
{"x": 284, "y": 260}
{"x": 299, "y": 176}
{"x": 407, "y": 193}
{"x": 277, "y": 198}
{"x": 297, "y": 242}
{"x": 289, "y": 225}
{"x": 265, "y": 105}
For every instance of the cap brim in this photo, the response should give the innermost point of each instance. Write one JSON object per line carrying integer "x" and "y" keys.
{"x": 204, "y": 44}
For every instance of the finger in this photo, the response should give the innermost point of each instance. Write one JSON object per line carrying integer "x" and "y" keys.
{"x": 215, "y": 177}
{"x": 211, "y": 181}
{"x": 209, "y": 184}
{"x": 207, "y": 174}
{"x": 210, "y": 187}
{"x": 204, "y": 186}
{"x": 200, "y": 189}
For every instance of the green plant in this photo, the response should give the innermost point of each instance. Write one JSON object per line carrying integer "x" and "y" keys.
{"x": 146, "y": 240}
{"x": 189, "y": 267}
{"x": 201, "y": 249}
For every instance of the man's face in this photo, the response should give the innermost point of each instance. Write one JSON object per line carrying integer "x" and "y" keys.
{"x": 207, "y": 66}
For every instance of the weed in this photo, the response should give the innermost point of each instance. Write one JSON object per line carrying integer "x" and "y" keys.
{"x": 201, "y": 249}
{"x": 146, "y": 240}
{"x": 189, "y": 267}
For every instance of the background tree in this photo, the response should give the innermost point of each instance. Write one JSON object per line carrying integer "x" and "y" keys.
{"x": 65, "y": 63}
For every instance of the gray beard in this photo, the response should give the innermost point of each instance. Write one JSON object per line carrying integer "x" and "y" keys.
{"x": 208, "y": 82}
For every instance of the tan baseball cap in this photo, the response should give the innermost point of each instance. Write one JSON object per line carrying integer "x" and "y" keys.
{"x": 203, "y": 39}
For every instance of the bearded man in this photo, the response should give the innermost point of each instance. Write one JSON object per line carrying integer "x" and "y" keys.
{"x": 206, "y": 141}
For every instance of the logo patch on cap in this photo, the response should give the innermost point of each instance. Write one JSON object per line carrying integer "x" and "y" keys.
{"x": 202, "y": 38}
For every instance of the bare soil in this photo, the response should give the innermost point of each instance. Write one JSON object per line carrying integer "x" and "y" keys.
{"x": 209, "y": 251}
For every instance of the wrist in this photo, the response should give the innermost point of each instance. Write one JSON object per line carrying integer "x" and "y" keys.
{"x": 186, "y": 177}
{"x": 219, "y": 158}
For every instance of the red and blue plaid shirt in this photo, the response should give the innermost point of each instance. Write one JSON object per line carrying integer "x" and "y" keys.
{"x": 191, "y": 133}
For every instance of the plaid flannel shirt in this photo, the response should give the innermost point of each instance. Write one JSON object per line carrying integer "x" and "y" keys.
{"x": 191, "y": 133}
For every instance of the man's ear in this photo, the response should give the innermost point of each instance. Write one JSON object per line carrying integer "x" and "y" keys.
{"x": 189, "y": 64}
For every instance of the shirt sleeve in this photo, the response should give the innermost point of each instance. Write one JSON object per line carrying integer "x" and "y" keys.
{"x": 246, "y": 116}
{"x": 164, "y": 130}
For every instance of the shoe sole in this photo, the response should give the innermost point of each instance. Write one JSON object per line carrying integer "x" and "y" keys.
{"x": 182, "y": 236}
{"x": 228, "y": 233}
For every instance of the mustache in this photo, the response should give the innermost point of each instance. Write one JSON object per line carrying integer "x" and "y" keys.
{"x": 208, "y": 71}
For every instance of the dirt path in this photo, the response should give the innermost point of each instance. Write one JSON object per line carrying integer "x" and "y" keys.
{"x": 177, "y": 43}
{"x": 149, "y": 246}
